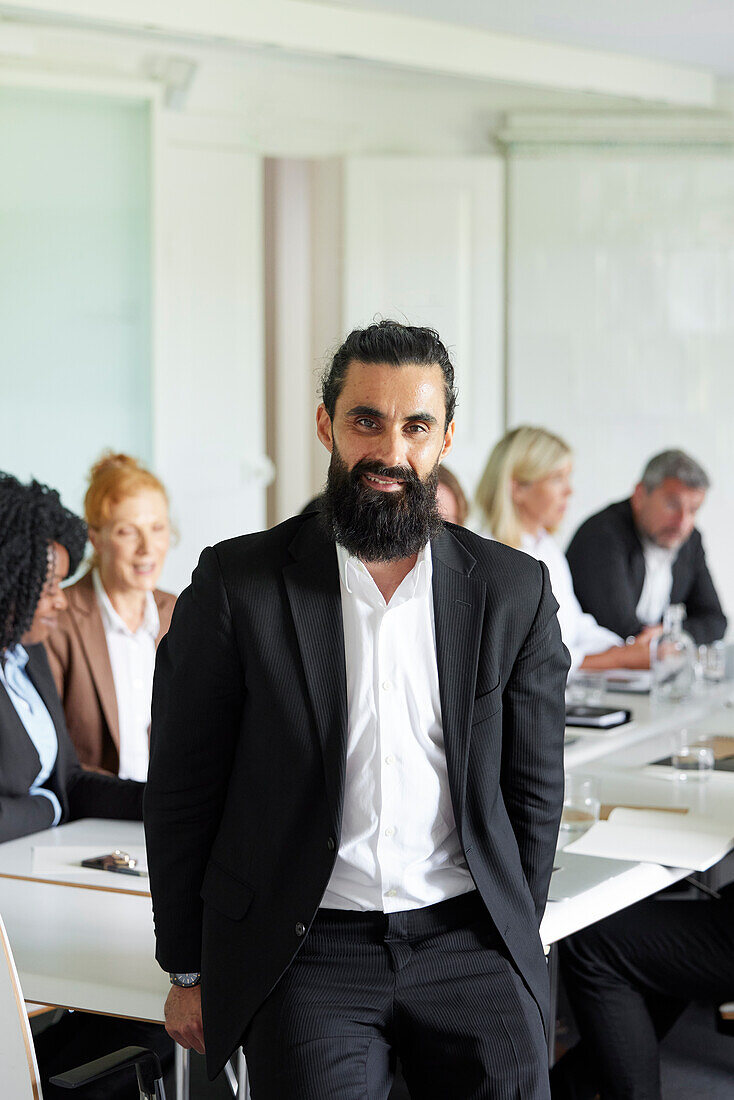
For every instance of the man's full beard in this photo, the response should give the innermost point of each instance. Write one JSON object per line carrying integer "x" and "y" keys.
{"x": 380, "y": 526}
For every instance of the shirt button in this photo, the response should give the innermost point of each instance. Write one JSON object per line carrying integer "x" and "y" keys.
{"x": 386, "y": 685}
{"x": 390, "y": 759}
{"x": 391, "y": 894}
{"x": 390, "y": 830}
{"x": 300, "y": 928}
{"x": 331, "y": 844}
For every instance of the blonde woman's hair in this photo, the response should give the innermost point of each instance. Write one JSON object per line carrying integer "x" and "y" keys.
{"x": 524, "y": 454}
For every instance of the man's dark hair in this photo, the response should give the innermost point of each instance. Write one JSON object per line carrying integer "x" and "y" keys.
{"x": 392, "y": 343}
{"x": 31, "y": 518}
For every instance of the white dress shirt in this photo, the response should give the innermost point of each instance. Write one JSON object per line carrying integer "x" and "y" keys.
{"x": 132, "y": 656}
{"x": 399, "y": 845}
{"x": 582, "y": 635}
{"x": 655, "y": 595}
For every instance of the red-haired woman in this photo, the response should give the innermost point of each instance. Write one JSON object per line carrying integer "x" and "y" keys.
{"x": 102, "y": 652}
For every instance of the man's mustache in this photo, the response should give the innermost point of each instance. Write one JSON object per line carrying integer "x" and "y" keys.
{"x": 399, "y": 473}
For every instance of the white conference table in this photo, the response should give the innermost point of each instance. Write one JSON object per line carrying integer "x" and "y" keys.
{"x": 648, "y": 723}
{"x": 620, "y": 759}
{"x": 84, "y": 939}
{"x": 79, "y": 945}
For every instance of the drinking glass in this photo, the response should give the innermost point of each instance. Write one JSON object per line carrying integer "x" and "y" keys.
{"x": 581, "y": 806}
{"x": 693, "y": 763}
{"x": 585, "y": 689}
{"x": 711, "y": 662}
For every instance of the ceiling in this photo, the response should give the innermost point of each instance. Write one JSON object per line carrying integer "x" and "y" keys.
{"x": 693, "y": 32}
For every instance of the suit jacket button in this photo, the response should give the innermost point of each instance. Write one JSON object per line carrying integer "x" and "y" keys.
{"x": 331, "y": 844}
{"x": 300, "y": 928}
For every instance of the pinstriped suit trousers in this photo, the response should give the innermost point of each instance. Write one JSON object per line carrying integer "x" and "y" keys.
{"x": 431, "y": 986}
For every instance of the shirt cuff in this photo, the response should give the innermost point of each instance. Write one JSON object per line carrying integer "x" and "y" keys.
{"x": 54, "y": 802}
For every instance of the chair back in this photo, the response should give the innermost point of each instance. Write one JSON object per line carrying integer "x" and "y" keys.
{"x": 18, "y": 1057}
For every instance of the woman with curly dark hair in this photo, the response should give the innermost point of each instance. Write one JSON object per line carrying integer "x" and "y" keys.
{"x": 41, "y": 780}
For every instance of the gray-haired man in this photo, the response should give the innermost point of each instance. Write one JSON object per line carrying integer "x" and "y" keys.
{"x": 634, "y": 558}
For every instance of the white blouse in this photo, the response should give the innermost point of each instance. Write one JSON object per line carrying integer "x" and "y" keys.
{"x": 132, "y": 656}
{"x": 582, "y": 635}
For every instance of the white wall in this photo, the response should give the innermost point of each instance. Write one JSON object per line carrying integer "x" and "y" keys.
{"x": 75, "y": 360}
{"x": 424, "y": 243}
{"x": 621, "y": 319}
{"x": 209, "y": 425}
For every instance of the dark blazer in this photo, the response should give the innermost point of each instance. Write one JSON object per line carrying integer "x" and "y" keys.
{"x": 608, "y": 569}
{"x": 80, "y": 793}
{"x": 244, "y": 800}
{"x": 80, "y": 662}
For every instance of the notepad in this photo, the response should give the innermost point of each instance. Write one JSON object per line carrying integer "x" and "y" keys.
{"x": 595, "y": 717}
{"x": 656, "y": 836}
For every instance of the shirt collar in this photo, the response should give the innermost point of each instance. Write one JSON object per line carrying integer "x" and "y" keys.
{"x": 355, "y": 575}
{"x": 17, "y": 656}
{"x": 655, "y": 553}
{"x": 113, "y": 621}
{"x": 530, "y": 542}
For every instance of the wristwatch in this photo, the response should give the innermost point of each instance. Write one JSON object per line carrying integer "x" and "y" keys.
{"x": 185, "y": 981}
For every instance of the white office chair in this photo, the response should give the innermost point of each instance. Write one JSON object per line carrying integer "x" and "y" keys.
{"x": 20, "y": 1069}
{"x": 20, "y": 1078}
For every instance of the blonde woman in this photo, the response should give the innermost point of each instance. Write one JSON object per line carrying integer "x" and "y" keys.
{"x": 102, "y": 652}
{"x": 521, "y": 500}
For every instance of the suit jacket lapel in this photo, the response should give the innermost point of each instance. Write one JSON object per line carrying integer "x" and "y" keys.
{"x": 458, "y": 602}
{"x": 312, "y": 583}
{"x": 88, "y": 621}
{"x": 40, "y": 675}
{"x": 19, "y": 759}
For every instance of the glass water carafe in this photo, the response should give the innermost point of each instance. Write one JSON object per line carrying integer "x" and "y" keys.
{"x": 672, "y": 659}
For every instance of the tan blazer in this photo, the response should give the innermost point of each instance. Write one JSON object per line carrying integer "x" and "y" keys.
{"x": 80, "y": 663}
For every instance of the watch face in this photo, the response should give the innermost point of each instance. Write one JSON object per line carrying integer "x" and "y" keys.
{"x": 185, "y": 981}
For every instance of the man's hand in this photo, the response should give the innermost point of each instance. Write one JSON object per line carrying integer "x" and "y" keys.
{"x": 183, "y": 1017}
{"x": 649, "y": 632}
{"x": 635, "y": 654}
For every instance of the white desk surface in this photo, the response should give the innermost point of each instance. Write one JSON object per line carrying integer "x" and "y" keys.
{"x": 94, "y": 949}
{"x": 562, "y": 918}
{"x": 620, "y": 759}
{"x": 648, "y": 722}
{"x": 76, "y": 947}
{"x": 84, "y": 949}
{"x": 100, "y": 836}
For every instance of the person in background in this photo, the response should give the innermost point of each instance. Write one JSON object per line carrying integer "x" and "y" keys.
{"x": 102, "y": 651}
{"x": 628, "y": 979}
{"x": 521, "y": 500}
{"x": 634, "y": 558}
{"x": 452, "y": 503}
{"x": 42, "y": 783}
{"x": 41, "y": 780}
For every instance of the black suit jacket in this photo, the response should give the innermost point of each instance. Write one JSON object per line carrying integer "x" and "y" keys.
{"x": 244, "y": 800}
{"x": 608, "y": 569}
{"x": 80, "y": 793}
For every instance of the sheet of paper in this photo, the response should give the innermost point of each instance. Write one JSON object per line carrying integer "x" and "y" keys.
{"x": 674, "y": 840}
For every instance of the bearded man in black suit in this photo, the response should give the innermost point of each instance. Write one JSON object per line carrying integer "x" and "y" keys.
{"x": 356, "y": 772}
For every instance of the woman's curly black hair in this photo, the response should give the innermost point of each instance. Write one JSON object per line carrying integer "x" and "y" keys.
{"x": 31, "y": 518}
